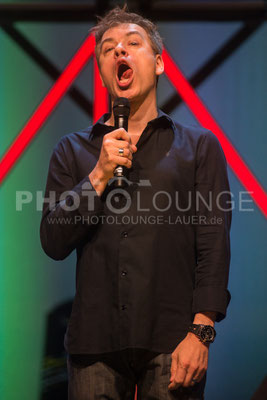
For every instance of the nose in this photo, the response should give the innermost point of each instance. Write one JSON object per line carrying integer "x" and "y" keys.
{"x": 120, "y": 50}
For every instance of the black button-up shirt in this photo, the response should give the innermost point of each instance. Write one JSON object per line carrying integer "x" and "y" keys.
{"x": 149, "y": 255}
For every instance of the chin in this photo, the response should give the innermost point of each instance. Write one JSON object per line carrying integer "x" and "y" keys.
{"x": 128, "y": 93}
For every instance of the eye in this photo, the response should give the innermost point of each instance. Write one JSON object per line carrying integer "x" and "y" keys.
{"x": 108, "y": 49}
{"x": 134, "y": 43}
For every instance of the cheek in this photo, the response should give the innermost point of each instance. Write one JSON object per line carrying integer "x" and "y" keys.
{"x": 106, "y": 75}
{"x": 147, "y": 72}
{"x": 104, "y": 71}
{"x": 105, "y": 68}
{"x": 146, "y": 66}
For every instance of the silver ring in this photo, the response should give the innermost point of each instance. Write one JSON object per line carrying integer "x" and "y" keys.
{"x": 121, "y": 151}
{"x": 194, "y": 380}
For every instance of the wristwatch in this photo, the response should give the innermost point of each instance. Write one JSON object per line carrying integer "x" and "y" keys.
{"x": 205, "y": 333}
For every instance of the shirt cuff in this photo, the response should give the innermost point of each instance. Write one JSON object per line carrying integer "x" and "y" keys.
{"x": 210, "y": 298}
{"x": 89, "y": 202}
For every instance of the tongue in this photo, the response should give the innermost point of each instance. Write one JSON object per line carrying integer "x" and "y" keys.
{"x": 127, "y": 74}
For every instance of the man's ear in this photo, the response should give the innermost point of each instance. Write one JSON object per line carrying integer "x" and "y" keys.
{"x": 159, "y": 65}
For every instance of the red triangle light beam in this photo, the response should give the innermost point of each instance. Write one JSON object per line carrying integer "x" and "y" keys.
{"x": 179, "y": 82}
{"x": 204, "y": 117}
{"x": 46, "y": 107}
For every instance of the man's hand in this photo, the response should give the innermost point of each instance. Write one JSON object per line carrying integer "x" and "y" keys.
{"x": 109, "y": 155}
{"x": 189, "y": 362}
{"x": 110, "y": 158}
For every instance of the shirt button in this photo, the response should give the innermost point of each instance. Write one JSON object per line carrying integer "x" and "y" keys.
{"x": 123, "y": 307}
{"x": 124, "y": 234}
{"x": 123, "y": 273}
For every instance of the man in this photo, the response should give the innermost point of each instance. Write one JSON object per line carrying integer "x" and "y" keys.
{"x": 153, "y": 256}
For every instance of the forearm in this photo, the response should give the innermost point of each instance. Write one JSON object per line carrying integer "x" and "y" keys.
{"x": 64, "y": 225}
{"x": 212, "y": 238}
{"x": 205, "y": 318}
{"x": 98, "y": 180}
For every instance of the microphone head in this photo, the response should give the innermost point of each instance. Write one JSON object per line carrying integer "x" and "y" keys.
{"x": 121, "y": 107}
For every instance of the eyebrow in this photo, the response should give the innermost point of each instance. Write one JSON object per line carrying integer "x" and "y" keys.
{"x": 110, "y": 39}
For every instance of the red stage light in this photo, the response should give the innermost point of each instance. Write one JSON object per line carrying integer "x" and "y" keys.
{"x": 204, "y": 117}
{"x": 46, "y": 107}
{"x": 100, "y": 106}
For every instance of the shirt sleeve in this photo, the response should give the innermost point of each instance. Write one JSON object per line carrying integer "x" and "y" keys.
{"x": 213, "y": 209}
{"x": 67, "y": 209}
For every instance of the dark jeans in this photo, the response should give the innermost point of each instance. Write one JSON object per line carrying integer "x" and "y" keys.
{"x": 114, "y": 376}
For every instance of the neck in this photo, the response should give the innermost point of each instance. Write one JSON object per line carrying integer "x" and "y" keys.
{"x": 141, "y": 113}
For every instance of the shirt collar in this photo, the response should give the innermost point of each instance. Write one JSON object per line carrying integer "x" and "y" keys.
{"x": 161, "y": 118}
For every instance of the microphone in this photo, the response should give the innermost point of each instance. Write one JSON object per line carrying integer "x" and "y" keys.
{"x": 121, "y": 112}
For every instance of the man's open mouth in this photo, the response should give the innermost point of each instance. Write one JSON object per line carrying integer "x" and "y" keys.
{"x": 124, "y": 75}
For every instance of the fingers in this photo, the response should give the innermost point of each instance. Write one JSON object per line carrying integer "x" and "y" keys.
{"x": 184, "y": 375}
{"x": 124, "y": 161}
{"x": 197, "y": 376}
{"x": 124, "y": 144}
{"x": 191, "y": 376}
{"x": 121, "y": 144}
{"x": 178, "y": 374}
{"x": 124, "y": 137}
{"x": 126, "y": 158}
{"x": 120, "y": 134}
{"x": 127, "y": 152}
{"x": 191, "y": 359}
{"x": 173, "y": 368}
{"x": 110, "y": 156}
{"x": 112, "y": 142}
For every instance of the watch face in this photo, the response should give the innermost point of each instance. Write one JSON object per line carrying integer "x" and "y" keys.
{"x": 207, "y": 334}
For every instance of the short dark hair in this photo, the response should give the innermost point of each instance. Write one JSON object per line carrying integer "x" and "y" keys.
{"x": 118, "y": 16}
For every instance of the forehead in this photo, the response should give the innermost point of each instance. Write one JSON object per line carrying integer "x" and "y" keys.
{"x": 123, "y": 30}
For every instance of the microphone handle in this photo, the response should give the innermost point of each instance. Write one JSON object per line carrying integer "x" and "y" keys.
{"x": 120, "y": 122}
